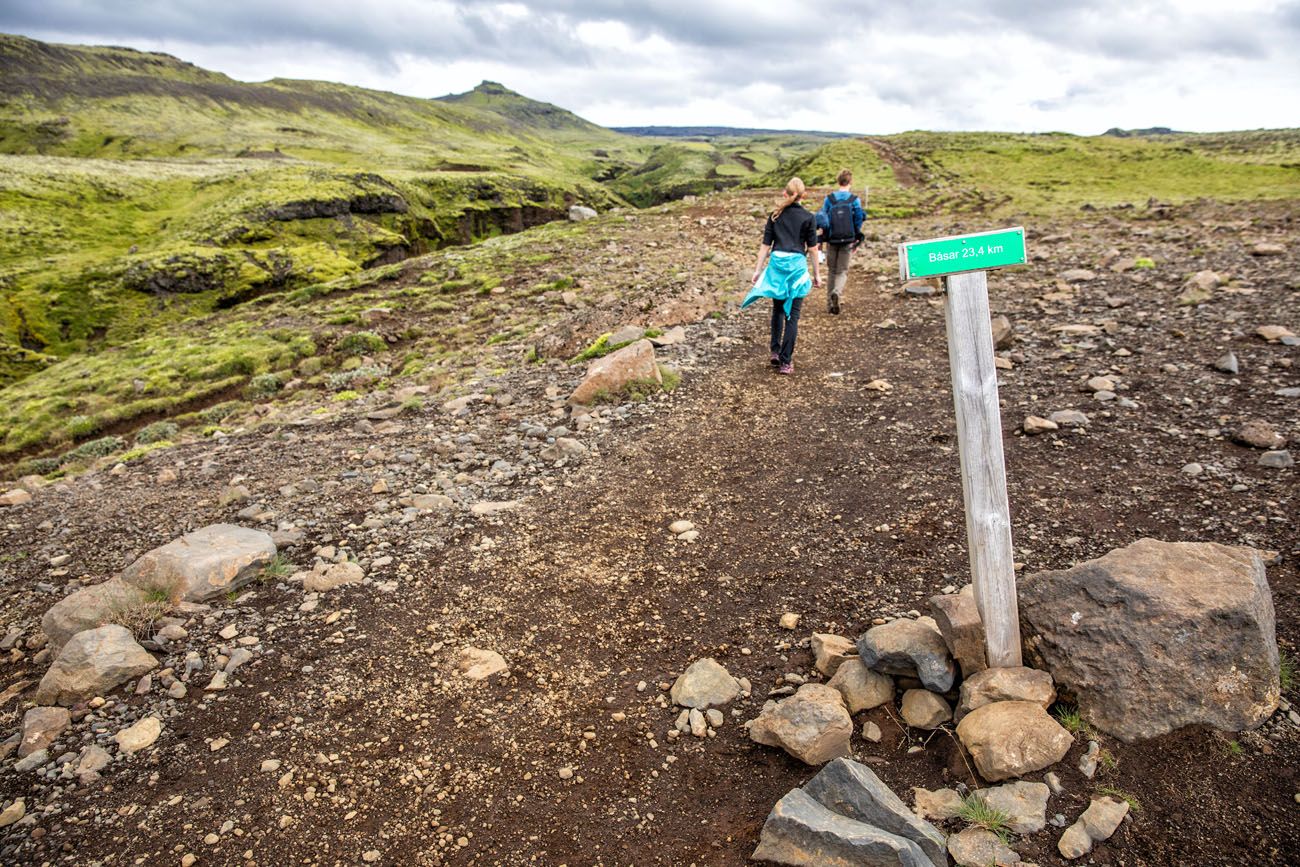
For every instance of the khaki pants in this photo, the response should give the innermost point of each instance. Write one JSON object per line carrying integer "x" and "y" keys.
{"x": 837, "y": 267}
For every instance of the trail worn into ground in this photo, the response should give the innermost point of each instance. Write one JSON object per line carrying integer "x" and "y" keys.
{"x": 834, "y": 494}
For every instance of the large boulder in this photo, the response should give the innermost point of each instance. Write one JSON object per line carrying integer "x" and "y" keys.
{"x": 208, "y": 562}
{"x": 607, "y": 377}
{"x": 1008, "y": 739}
{"x": 92, "y": 663}
{"x": 705, "y": 684}
{"x": 91, "y": 607}
{"x": 1158, "y": 636}
{"x": 909, "y": 648}
{"x": 1005, "y": 684}
{"x": 812, "y": 725}
{"x": 853, "y": 790}
{"x": 801, "y": 831}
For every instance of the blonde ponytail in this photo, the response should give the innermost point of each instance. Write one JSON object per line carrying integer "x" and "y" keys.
{"x": 793, "y": 193}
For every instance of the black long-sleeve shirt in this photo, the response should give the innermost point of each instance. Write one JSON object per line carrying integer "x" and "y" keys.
{"x": 795, "y": 231}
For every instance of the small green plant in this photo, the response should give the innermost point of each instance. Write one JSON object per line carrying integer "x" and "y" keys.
{"x": 1234, "y": 749}
{"x": 156, "y": 432}
{"x": 1119, "y": 794}
{"x": 345, "y": 396}
{"x": 671, "y": 378}
{"x": 1286, "y": 671}
{"x": 1107, "y": 761}
{"x": 976, "y": 812}
{"x": 1144, "y": 264}
{"x": 139, "y": 615}
{"x": 1072, "y": 721}
{"x": 412, "y": 404}
{"x": 99, "y": 448}
{"x": 278, "y": 568}
{"x": 263, "y": 385}
{"x": 362, "y": 343}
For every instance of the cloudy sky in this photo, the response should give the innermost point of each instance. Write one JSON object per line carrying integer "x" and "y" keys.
{"x": 853, "y": 65}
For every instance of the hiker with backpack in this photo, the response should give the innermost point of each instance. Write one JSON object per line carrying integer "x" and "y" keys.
{"x": 842, "y": 215}
{"x": 789, "y": 236}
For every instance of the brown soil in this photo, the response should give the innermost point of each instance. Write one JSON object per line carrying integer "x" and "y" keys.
{"x": 813, "y": 494}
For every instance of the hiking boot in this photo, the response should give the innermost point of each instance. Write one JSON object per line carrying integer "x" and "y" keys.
{"x": 776, "y": 358}
{"x": 835, "y": 304}
{"x": 786, "y": 369}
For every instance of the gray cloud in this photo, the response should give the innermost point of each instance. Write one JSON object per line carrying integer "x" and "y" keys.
{"x": 929, "y": 62}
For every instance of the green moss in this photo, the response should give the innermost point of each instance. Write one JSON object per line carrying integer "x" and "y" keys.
{"x": 344, "y": 396}
{"x": 1144, "y": 264}
{"x": 263, "y": 386}
{"x": 156, "y": 432}
{"x": 142, "y": 450}
{"x": 362, "y": 343}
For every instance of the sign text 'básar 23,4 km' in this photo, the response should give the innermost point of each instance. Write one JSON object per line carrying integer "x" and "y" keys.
{"x": 979, "y": 252}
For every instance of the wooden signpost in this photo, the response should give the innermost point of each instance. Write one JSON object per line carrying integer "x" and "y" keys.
{"x": 963, "y": 262}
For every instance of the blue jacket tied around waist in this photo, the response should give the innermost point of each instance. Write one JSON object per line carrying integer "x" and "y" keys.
{"x": 784, "y": 279}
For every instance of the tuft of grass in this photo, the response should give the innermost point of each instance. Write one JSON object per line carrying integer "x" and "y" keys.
{"x": 1107, "y": 761}
{"x": 1234, "y": 749}
{"x": 1144, "y": 264}
{"x": 671, "y": 378}
{"x": 976, "y": 812}
{"x": 1286, "y": 671}
{"x": 345, "y": 396}
{"x": 1072, "y": 721}
{"x": 278, "y": 568}
{"x": 1134, "y": 804}
{"x": 139, "y": 617}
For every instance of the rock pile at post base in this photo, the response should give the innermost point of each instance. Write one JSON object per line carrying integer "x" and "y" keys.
{"x": 846, "y": 815}
{"x": 1158, "y": 636}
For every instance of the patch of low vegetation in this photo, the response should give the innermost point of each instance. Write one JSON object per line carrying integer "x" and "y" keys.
{"x": 1286, "y": 671}
{"x": 1072, "y": 721}
{"x": 974, "y": 811}
{"x": 279, "y": 567}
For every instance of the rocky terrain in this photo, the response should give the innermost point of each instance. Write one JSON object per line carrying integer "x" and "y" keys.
{"x": 465, "y": 649}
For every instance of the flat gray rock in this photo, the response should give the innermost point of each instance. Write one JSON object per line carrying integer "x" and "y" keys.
{"x": 198, "y": 566}
{"x": 853, "y": 790}
{"x": 801, "y": 831}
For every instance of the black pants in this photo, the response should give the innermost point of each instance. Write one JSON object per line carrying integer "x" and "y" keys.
{"x": 785, "y": 330}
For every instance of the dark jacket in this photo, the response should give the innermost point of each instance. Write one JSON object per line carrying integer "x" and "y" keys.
{"x": 795, "y": 231}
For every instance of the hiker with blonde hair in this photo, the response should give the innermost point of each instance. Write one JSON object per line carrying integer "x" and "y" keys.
{"x": 781, "y": 272}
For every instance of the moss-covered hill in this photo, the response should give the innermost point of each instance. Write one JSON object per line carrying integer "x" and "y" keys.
{"x": 1043, "y": 173}
{"x": 137, "y": 189}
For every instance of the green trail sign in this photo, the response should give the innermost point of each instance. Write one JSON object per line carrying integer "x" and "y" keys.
{"x": 961, "y": 253}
